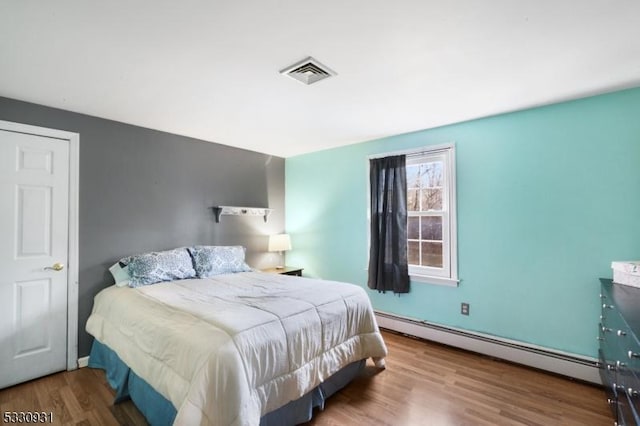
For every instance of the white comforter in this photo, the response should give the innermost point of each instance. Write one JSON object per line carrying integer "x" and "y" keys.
{"x": 229, "y": 349}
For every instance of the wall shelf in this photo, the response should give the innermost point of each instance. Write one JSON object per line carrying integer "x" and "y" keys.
{"x": 241, "y": 211}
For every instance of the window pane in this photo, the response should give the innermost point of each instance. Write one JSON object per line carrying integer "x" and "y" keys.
{"x": 413, "y": 253}
{"x": 431, "y": 174}
{"x": 413, "y": 228}
{"x": 431, "y": 199}
{"x": 413, "y": 178}
{"x": 413, "y": 200}
{"x": 431, "y": 228}
{"x": 432, "y": 254}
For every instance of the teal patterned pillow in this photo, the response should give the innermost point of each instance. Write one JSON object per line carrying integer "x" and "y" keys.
{"x": 155, "y": 267}
{"x": 215, "y": 260}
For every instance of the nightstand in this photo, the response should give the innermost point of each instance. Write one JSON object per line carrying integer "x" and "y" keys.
{"x": 287, "y": 270}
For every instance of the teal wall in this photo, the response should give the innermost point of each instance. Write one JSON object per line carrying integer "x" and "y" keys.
{"x": 547, "y": 198}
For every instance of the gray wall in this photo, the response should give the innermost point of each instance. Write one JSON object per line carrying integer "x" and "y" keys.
{"x": 143, "y": 190}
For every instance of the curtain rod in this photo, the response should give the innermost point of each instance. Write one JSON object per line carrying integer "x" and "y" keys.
{"x": 415, "y": 151}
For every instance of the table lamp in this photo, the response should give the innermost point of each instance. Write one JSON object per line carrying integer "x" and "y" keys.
{"x": 279, "y": 243}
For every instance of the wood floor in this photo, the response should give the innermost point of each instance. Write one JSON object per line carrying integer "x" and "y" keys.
{"x": 424, "y": 384}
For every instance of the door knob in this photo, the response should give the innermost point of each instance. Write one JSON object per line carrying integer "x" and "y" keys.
{"x": 55, "y": 267}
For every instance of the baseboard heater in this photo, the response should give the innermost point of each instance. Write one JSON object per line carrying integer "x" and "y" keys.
{"x": 567, "y": 364}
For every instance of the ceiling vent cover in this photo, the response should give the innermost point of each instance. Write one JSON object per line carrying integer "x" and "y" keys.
{"x": 308, "y": 71}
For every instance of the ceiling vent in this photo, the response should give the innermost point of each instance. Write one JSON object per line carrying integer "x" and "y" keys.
{"x": 308, "y": 71}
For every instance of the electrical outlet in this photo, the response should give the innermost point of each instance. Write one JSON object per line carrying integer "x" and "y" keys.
{"x": 464, "y": 308}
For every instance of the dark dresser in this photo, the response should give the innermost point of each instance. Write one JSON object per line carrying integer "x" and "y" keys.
{"x": 620, "y": 350}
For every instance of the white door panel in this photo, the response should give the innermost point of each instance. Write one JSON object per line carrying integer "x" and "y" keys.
{"x": 33, "y": 221}
{"x": 31, "y": 299}
{"x": 34, "y": 194}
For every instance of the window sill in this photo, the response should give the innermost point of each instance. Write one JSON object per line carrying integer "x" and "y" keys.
{"x": 447, "y": 282}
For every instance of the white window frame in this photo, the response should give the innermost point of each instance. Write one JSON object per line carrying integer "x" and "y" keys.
{"x": 448, "y": 275}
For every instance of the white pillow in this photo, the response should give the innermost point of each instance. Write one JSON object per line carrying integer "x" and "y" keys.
{"x": 120, "y": 274}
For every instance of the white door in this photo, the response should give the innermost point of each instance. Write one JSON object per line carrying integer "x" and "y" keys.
{"x": 34, "y": 226}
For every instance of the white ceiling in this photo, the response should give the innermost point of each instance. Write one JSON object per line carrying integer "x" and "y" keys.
{"x": 209, "y": 69}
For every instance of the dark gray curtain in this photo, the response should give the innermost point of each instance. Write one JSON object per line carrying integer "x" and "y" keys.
{"x": 388, "y": 268}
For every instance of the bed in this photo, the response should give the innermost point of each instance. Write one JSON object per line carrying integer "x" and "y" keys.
{"x": 233, "y": 349}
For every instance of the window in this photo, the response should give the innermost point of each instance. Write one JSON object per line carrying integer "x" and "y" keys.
{"x": 431, "y": 213}
{"x": 431, "y": 221}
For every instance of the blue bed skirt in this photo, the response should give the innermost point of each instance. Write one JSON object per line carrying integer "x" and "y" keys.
{"x": 160, "y": 412}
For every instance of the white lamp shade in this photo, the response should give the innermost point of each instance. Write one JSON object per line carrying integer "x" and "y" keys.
{"x": 280, "y": 242}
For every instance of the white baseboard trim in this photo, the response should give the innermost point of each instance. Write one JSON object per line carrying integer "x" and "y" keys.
{"x": 564, "y": 363}
{"x": 83, "y": 362}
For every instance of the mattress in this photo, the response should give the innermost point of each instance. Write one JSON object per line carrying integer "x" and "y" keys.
{"x": 227, "y": 350}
